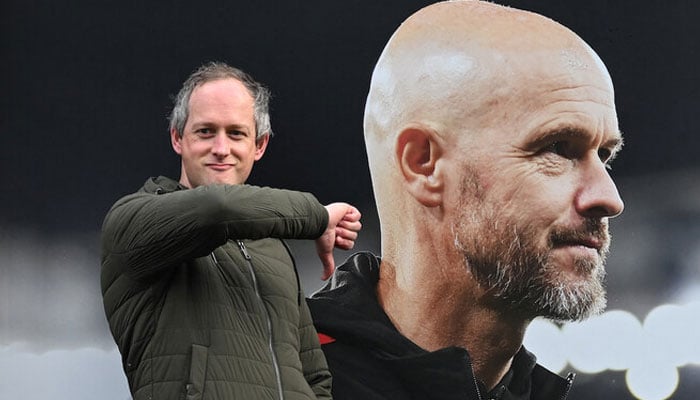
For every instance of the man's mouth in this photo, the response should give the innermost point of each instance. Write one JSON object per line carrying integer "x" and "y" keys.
{"x": 219, "y": 166}
{"x": 590, "y": 242}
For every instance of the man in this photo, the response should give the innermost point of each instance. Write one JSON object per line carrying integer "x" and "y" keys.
{"x": 489, "y": 131}
{"x": 201, "y": 296}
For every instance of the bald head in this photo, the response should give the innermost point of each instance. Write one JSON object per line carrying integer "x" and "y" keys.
{"x": 449, "y": 54}
{"x": 457, "y": 66}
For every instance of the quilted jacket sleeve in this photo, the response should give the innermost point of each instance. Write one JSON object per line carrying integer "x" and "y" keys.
{"x": 149, "y": 232}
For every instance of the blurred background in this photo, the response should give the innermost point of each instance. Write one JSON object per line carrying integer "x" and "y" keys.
{"x": 86, "y": 88}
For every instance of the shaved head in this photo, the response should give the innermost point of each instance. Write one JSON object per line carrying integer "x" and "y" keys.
{"x": 457, "y": 66}
{"x": 450, "y": 52}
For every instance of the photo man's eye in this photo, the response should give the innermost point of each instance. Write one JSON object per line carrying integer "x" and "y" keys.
{"x": 607, "y": 156}
{"x": 604, "y": 154}
{"x": 559, "y": 148}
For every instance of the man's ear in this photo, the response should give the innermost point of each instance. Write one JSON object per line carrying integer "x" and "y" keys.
{"x": 176, "y": 141}
{"x": 418, "y": 150}
{"x": 260, "y": 146}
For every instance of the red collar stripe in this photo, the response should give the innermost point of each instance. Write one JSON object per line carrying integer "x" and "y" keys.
{"x": 325, "y": 339}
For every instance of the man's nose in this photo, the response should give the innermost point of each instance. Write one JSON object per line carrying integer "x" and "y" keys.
{"x": 220, "y": 146}
{"x": 598, "y": 196}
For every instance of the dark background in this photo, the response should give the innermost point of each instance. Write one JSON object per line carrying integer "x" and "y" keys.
{"x": 86, "y": 87}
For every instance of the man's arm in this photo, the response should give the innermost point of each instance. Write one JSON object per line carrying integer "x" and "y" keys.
{"x": 150, "y": 232}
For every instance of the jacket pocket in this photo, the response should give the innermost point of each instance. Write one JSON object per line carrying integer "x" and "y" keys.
{"x": 198, "y": 370}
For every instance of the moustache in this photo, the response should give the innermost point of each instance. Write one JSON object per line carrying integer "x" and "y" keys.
{"x": 591, "y": 233}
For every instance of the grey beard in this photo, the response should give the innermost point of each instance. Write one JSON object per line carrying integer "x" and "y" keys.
{"x": 507, "y": 263}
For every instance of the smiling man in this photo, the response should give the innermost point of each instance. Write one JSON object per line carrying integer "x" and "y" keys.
{"x": 201, "y": 293}
{"x": 208, "y": 156}
{"x": 489, "y": 131}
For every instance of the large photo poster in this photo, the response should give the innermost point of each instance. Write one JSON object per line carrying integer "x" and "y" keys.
{"x": 526, "y": 167}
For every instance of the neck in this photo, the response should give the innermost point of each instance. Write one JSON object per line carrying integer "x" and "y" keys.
{"x": 433, "y": 301}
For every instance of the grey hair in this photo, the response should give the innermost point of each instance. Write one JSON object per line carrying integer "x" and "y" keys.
{"x": 214, "y": 71}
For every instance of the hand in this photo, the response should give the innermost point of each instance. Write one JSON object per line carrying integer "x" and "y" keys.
{"x": 343, "y": 225}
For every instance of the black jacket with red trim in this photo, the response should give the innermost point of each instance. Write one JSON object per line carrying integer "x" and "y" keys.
{"x": 369, "y": 359}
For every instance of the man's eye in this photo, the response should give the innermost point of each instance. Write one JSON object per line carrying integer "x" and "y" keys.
{"x": 606, "y": 156}
{"x": 237, "y": 135}
{"x": 559, "y": 148}
{"x": 203, "y": 131}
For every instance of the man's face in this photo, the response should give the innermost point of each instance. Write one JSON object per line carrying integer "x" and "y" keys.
{"x": 218, "y": 144}
{"x": 535, "y": 196}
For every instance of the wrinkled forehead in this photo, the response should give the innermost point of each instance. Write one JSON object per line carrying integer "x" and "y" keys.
{"x": 570, "y": 65}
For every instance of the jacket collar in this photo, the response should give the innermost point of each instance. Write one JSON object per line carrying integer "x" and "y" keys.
{"x": 161, "y": 184}
{"x": 346, "y": 309}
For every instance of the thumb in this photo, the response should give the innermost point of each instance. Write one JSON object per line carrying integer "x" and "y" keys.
{"x": 328, "y": 265}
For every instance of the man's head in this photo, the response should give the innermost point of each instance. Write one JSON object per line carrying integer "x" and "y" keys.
{"x": 220, "y": 125}
{"x": 491, "y": 129}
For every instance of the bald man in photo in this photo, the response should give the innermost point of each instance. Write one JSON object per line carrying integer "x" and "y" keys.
{"x": 489, "y": 133}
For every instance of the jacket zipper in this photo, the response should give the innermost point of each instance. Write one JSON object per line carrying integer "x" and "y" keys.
{"x": 569, "y": 382}
{"x": 275, "y": 363}
{"x": 476, "y": 384}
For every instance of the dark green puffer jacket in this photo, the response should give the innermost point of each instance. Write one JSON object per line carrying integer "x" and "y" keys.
{"x": 203, "y": 300}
